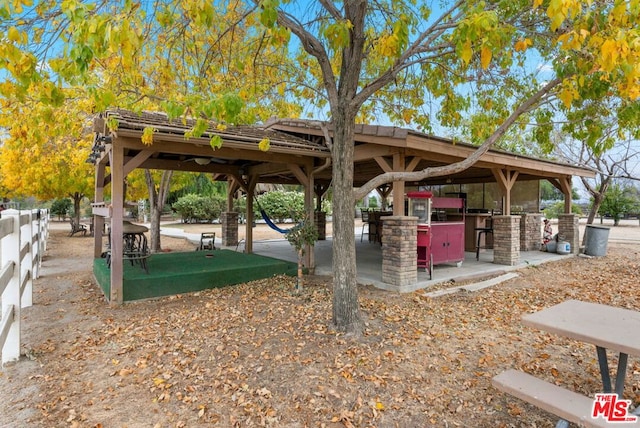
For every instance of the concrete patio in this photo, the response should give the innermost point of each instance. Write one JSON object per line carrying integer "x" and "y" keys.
{"x": 369, "y": 261}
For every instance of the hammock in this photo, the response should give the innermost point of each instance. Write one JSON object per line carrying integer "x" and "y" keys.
{"x": 269, "y": 222}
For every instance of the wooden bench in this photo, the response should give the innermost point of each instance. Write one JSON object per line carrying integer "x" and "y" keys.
{"x": 568, "y": 405}
{"x": 77, "y": 228}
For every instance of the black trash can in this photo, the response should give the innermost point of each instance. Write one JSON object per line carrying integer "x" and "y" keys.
{"x": 595, "y": 243}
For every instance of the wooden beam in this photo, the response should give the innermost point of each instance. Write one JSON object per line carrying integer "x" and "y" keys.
{"x": 556, "y": 183}
{"x": 269, "y": 169}
{"x": 565, "y": 184}
{"x": 131, "y": 163}
{"x": 370, "y": 151}
{"x": 300, "y": 175}
{"x": 240, "y": 182}
{"x": 413, "y": 164}
{"x": 506, "y": 179}
{"x": 163, "y": 164}
{"x": 227, "y": 151}
{"x": 382, "y": 162}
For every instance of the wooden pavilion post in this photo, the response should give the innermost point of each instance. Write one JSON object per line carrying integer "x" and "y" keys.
{"x": 320, "y": 190}
{"x": 117, "y": 196}
{"x": 309, "y": 254}
{"x": 232, "y": 188}
{"x": 305, "y": 177}
{"x": 98, "y": 221}
{"x": 250, "y": 187}
{"x": 398, "y": 186}
{"x": 506, "y": 179}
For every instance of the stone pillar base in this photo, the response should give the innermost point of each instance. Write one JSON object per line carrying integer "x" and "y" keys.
{"x": 530, "y": 232}
{"x": 229, "y": 221}
{"x": 399, "y": 251}
{"x": 506, "y": 240}
{"x": 569, "y": 231}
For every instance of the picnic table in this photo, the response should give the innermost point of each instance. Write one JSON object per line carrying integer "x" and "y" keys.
{"x": 606, "y": 327}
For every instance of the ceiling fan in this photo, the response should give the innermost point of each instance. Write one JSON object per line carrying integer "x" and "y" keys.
{"x": 206, "y": 161}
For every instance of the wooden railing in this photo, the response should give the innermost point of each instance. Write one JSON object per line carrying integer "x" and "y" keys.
{"x": 23, "y": 241}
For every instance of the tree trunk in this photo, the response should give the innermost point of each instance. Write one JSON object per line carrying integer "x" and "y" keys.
{"x": 299, "y": 279}
{"x": 597, "y": 201}
{"x": 346, "y": 314}
{"x": 77, "y": 198}
{"x": 157, "y": 199}
{"x": 598, "y": 196}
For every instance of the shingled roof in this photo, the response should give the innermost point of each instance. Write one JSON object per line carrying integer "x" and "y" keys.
{"x": 245, "y": 135}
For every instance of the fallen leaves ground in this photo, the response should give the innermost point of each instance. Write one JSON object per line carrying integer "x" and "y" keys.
{"x": 258, "y": 355}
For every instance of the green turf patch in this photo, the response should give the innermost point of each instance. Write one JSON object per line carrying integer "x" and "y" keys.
{"x": 176, "y": 273}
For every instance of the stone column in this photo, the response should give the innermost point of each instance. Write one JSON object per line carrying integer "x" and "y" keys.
{"x": 399, "y": 251}
{"x": 506, "y": 240}
{"x": 229, "y": 221}
{"x": 530, "y": 232}
{"x": 569, "y": 231}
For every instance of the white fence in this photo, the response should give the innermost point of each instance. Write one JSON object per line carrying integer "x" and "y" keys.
{"x": 23, "y": 241}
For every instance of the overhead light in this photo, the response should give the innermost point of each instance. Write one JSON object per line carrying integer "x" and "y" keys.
{"x": 202, "y": 161}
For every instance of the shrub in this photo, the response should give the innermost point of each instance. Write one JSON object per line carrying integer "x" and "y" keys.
{"x": 558, "y": 208}
{"x": 280, "y": 205}
{"x": 195, "y": 208}
{"x": 61, "y": 207}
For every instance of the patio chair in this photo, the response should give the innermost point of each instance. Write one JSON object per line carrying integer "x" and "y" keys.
{"x": 365, "y": 222}
{"x": 77, "y": 228}
{"x": 207, "y": 241}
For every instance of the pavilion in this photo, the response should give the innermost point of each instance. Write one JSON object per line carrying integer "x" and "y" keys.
{"x": 298, "y": 154}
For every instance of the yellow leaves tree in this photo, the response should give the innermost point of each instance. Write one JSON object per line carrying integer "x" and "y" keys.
{"x": 45, "y": 163}
{"x": 183, "y": 57}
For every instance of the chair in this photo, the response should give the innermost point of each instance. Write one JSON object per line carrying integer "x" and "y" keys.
{"x": 135, "y": 249}
{"x": 207, "y": 241}
{"x": 77, "y": 228}
{"x": 365, "y": 222}
{"x": 487, "y": 231}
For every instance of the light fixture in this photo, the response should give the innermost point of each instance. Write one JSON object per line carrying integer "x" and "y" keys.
{"x": 202, "y": 161}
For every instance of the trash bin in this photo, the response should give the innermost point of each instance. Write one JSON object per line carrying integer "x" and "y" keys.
{"x": 596, "y": 237}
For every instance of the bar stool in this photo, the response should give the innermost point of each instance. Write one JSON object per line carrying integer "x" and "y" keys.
{"x": 365, "y": 221}
{"x": 486, "y": 231}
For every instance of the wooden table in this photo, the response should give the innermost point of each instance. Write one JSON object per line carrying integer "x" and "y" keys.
{"x": 606, "y": 327}
{"x": 128, "y": 227}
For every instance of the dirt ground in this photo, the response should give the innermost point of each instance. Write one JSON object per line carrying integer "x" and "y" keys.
{"x": 258, "y": 355}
